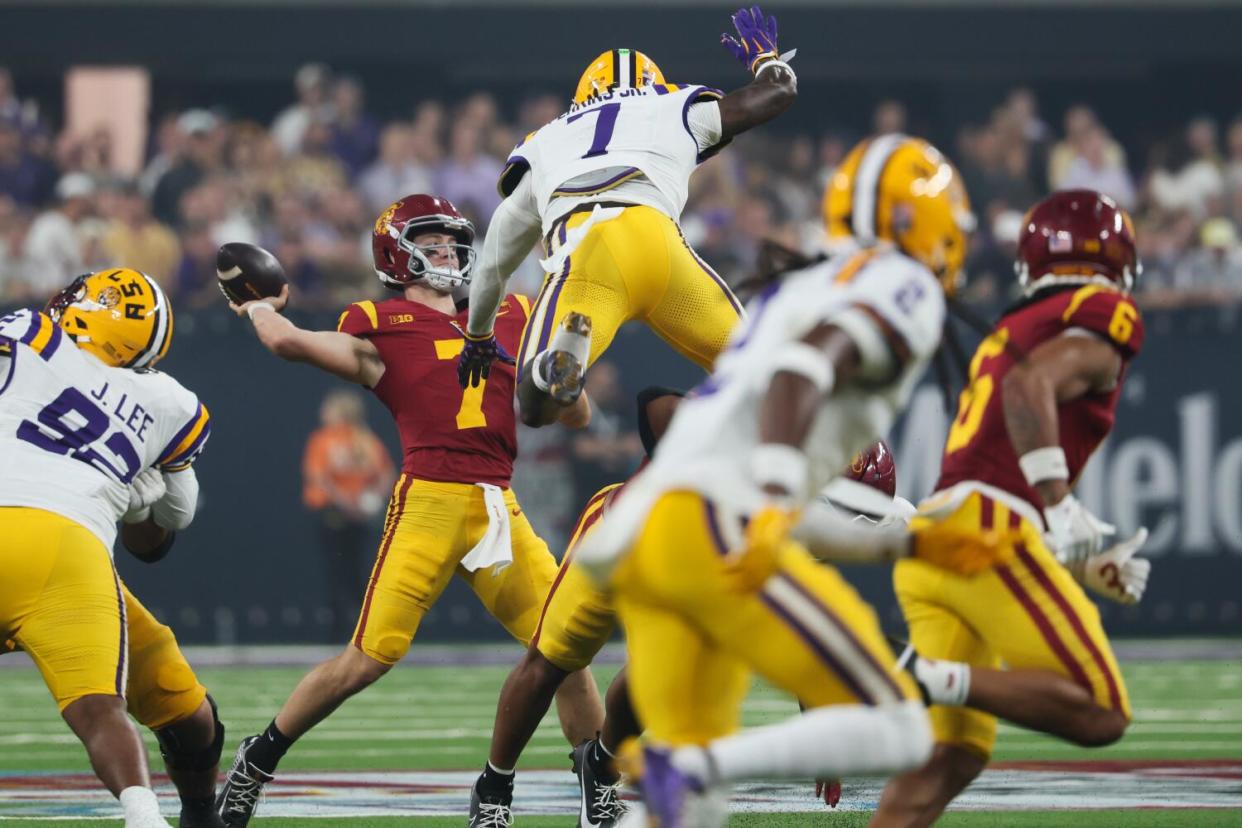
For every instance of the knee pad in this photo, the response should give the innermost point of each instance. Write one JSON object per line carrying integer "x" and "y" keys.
{"x": 180, "y": 758}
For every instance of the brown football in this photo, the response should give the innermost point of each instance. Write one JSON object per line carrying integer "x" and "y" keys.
{"x": 247, "y": 272}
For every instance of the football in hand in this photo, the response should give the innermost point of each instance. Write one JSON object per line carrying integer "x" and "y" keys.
{"x": 247, "y": 272}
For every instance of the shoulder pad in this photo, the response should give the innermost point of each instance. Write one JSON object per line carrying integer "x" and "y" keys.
{"x": 1107, "y": 312}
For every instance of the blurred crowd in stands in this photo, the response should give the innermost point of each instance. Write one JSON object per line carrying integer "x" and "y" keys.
{"x": 309, "y": 184}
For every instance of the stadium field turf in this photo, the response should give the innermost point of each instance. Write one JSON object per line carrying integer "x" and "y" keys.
{"x": 421, "y": 723}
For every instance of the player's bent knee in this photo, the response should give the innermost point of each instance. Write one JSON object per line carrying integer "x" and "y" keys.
{"x": 355, "y": 671}
{"x": 194, "y": 743}
{"x": 1101, "y": 727}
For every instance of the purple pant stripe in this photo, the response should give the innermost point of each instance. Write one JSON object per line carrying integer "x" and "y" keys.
{"x": 715, "y": 277}
{"x": 849, "y": 636}
{"x": 713, "y": 526}
{"x": 123, "y": 649}
{"x": 818, "y": 647}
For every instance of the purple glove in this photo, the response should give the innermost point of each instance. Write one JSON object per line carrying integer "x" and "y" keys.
{"x": 756, "y": 37}
{"x": 477, "y": 356}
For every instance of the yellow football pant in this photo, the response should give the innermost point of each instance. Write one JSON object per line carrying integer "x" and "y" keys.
{"x": 693, "y": 639}
{"x": 1029, "y": 614}
{"x": 430, "y": 527}
{"x": 162, "y": 688}
{"x": 634, "y": 266}
{"x": 578, "y": 619}
{"x": 61, "y": 601}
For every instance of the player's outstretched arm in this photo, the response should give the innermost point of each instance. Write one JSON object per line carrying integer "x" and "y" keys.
{"x": 512, "y": 232}
{"x": 348, "y": 357}
{"x": 775, "y": 86}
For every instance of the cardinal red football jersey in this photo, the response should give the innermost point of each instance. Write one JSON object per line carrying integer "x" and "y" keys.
{"x": 978, "y": 446}
{"x": 447, "y": 434}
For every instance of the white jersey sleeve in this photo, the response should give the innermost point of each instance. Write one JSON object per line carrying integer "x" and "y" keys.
{"x": 613, "y": 139}
{"x": 75, "y": 432}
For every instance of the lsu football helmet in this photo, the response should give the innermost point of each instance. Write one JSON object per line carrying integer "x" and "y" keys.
{"x": 617, "y": 69}
{"x": 399, "y": 261}
{"x": 118, "y": 315}
{"x": 901, "y": 189}
{"x": 1077, "y": 237}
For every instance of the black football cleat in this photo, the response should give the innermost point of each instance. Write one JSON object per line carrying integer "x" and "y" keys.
{"x": 907, "y": 656}
{"x": 200, "y": 818}
{"x": 243, "y": 788}
{"x": 600, "y": 803}
{"x": 490, "y": 809}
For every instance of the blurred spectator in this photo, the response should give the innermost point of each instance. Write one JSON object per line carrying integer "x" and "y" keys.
{"x": 889, "y": 116}
{"x": 396, "y": 173}
{"x": 10, "y": 107}
{"x": 15, "y": 269}
{"x": 23, "y": 176}
{"x": 1080, "y": 122}
{"x": 134, "y": 239}
{"x": 194, "y": 283}
{"x": 305, "y": 274}
{"x": 312, "y": 83}
{"x": 1194, "y": 181}
{"x": 608, "y": 449}
{"x": 200, "y": 154}
{"x": 315, "y": 171}
{"x": 1092, "y": 169}
{"x": 355, "y": 132}
{"x": 1211, "y": 274}
{"x": 468, "y": 178}
{"x": 1233, "y": 169}
{"x": 53, "y": 246}
{"x": 346, "y": 475}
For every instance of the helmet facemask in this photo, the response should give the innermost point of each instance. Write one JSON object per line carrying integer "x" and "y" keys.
{"x": 443, "y": 277}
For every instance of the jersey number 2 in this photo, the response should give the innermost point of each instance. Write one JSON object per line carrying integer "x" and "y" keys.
{"x": 470, "y": 414}
{"x": 604, "y": 125}
{"x": 974, "y": 399}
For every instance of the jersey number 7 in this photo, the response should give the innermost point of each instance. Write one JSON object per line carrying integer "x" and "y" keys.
{"x": 604, "y": 125}
{"x": 470, "y": 414}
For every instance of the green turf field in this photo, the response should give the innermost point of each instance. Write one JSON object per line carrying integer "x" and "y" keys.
{"x": 439, "y": 718}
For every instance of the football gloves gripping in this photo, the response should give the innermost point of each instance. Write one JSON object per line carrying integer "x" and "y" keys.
{"x": 1074, "y": 534}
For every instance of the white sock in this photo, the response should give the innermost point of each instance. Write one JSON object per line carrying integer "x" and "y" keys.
{"x": 576, "y": 345}
{"x": 141, "y": 806}
{"x": 536, "y": 372}
{"x": 947, "y": 682}
{"x": 501, "y": 771}
{"x": 837, "y": 741}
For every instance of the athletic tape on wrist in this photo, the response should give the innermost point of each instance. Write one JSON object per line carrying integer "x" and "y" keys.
{"x": 251, "y": 308}
{"x": 776, "y": 62}
{"x": 806, "y": 361}
{"x": 780, "y": 464}
{"x": 1044, "y": 464}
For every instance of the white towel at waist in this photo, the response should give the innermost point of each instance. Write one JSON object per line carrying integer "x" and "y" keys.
{"x": 575, "y": 235}
{"x": 495, "y": 548}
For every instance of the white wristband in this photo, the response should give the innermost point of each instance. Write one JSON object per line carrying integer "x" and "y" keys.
{"x": 779, "y": 464}
{"x": 806, "y": 361}
{"x": 1044, "y": 464}
{"x": 254, "y": 306}
{"x": 776, "y": 62}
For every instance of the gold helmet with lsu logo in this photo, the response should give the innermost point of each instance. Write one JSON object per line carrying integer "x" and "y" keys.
{"x": 902, "y": 190}
{"x": 617, "y": 69}
{"x": 118, "y": 315}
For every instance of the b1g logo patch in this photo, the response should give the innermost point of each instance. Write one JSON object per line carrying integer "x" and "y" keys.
{"x": 400, "y": 318}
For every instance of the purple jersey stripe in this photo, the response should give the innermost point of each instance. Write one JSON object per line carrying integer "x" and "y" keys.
{"x": 595, "y": 188}
{"x": 818, "y": 647}
{"x": 36, "y": 323}
{"x": 191, "y": 450}
{"x": 53, "y": 343}
{"x": 849, "y": 636}
{"x": 181, "y": 435}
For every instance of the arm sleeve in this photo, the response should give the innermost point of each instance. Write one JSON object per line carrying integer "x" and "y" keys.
{"x": 703, "y": 119}
{"x": 513, "y": 231}
{"x": 831, "y": 536}
{"x": 175, "y": 510}
{"x": 1109, "y": 314}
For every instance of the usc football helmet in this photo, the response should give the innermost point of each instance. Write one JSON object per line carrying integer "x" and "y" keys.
{"x": 119, "y": 316}
{"x": 901, "y": 189}
{"x": 1077, "y": 237}
{"x": 617, "y": 69}
{"x": 399, "y": 261}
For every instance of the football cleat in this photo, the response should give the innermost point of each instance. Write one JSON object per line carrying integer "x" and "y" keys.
{"x": 491, "y": 809}
{"x": 671, "y": 797}
{"x": 196, "y": 818}
{"x": 600, "y": 802}
{"x": 243, "y": 788}
{"x": 563, "y": 365}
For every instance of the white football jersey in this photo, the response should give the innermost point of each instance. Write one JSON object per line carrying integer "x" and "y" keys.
{"x": 610, "y": 140}
{"x": 74, "y": 432}
{"x": 708, "y": 445}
